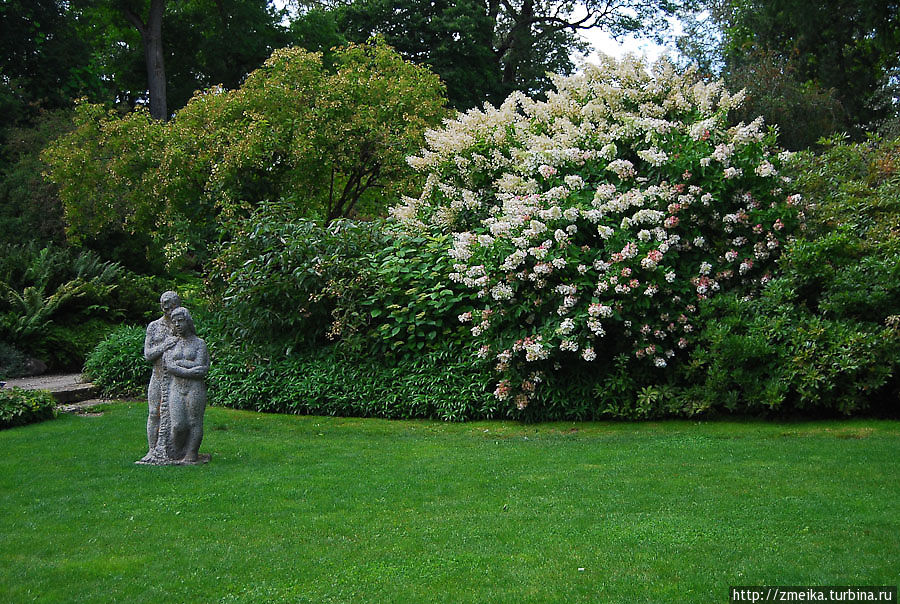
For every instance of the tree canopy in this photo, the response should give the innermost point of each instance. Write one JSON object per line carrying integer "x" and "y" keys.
{"x": 327, "y": 141}
{"x": 837, "y": 63}
{"x": 486, "y": 49}
{"x": 44, "y": 61}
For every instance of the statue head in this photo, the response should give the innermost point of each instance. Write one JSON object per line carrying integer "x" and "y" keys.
{"x": 182, "y": 323}
{"x": 169, "y": 301}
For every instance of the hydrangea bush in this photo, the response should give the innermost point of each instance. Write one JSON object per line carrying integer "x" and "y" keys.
{"x": 593, "y": 223}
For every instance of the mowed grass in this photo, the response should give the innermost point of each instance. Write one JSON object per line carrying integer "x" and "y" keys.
{"x": 312, "y": 509}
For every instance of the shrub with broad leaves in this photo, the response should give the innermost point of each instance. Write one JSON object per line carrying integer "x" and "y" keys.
{"x": 593, "y": 223}
{"x": 19, "y": 407}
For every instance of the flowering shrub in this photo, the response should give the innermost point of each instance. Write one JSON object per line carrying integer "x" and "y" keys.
{"x": 594, "y": 223}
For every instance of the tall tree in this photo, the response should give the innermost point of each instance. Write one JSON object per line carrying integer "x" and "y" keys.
{"x": 44, "y": 62}
{"x": 485, "y": 49}
{"x": 453, "y": 38}
{"x": 150, "y": 28}
{"x": 160, "y": 51}
{"x": 850, "y": 47}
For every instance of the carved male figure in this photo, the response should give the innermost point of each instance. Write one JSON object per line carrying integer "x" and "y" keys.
{"x": 160, "y": 337}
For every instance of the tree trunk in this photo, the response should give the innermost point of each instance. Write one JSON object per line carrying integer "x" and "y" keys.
{"x": 151, "y": 35}
{"x": 520, "y": 45}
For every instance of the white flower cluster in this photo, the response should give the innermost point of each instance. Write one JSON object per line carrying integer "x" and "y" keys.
{"x": 568, "y": 214}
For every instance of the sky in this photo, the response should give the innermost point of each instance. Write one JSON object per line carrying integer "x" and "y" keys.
{"x": 603, "y": 43}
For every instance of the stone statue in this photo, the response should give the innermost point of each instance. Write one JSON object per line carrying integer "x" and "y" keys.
{"x": 181, "y": 362}
{"x": 160, "y": 336}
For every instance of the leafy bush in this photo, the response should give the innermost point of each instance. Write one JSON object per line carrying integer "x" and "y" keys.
{"x": 117, "y": 365}
{"x": 65, "y": 347}
{"x": 30, "y": 209}
{"x": 326, "y": 381}
{"x": 410, "y": 305}
{"x": 19, "y": 407}
{"x": 13, "y": 362}
{"x": 329, "y": 136}
{"x": 288, "y": 282}
{"x": 772, "y": 354}
{"x": 590, "y": 225}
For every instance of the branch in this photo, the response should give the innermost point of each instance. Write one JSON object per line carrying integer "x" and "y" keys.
{"x": 509, "y": 7}
{"x": 595, "y": 16}
{"x": 362, "y": 189}
{"x": 353, "y": 190}
{"x": 134, "y": 20}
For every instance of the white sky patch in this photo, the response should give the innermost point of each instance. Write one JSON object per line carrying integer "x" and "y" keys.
{"x": 603, "y": 43}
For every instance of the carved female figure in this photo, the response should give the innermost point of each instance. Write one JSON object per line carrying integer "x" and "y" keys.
{"x": 186, "y": 365}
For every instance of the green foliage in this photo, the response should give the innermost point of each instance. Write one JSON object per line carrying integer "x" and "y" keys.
{"x": 117, "y": 365}
{"x": 291, "y": 284}
{"x": 206, "y": 42}
{"x": 317, "y": 31}
{"x": 19, "y": 407}
{"x": 453, "y": 38}
{"x": 102, "y": 170}
{"x": 13, "y": 362}
{"x": 286, "y": 283}
{"x": 30, "y": 209}
{"x": 51, "y": 281}
{"x": 856, "y": 185}
{"x": 56, "y": 303}
{"x": 486, "y": 50}
{"x": 824, "y": 335}
{"x": 761, "y": 356}
{"x": 626, "y": 392}
{"x": 329, "y": 139}
{"x": 43, "y": 59}
{"x": 411, "y": 306}
{"x": 440, "y": 384}
{"x": 849, "y": 52}
{"x": 66, "y": 345}
{"x": 803, "y": 111}
{"x": 216, "y": 42}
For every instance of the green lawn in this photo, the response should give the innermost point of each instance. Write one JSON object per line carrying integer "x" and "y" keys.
{"x": 311, "y": 509}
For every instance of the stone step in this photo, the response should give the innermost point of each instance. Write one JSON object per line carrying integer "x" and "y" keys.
{"x": 68, "y": 388}
{"x": 75, "y": 393}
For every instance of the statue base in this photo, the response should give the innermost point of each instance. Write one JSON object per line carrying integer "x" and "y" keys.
{"x": 152, "y": 460}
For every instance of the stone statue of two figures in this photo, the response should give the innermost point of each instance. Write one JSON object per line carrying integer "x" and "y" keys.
{"x": 177, "y": 391}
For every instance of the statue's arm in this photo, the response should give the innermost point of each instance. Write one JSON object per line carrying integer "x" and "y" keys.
{"x": 154, "y": 347}
{"x": 195, "y": 370}
{"x": 151, "y": 352}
